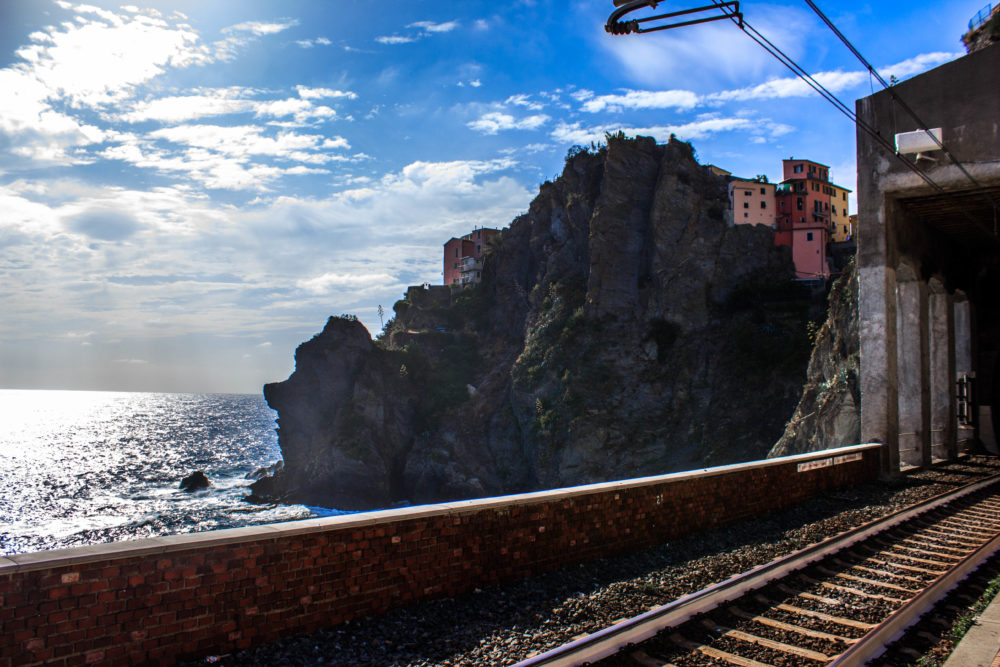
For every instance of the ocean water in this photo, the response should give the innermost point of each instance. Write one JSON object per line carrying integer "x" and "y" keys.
{"x": 81, "y": 467}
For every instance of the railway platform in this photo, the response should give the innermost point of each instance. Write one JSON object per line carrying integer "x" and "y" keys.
{"x": 981, "y": 645}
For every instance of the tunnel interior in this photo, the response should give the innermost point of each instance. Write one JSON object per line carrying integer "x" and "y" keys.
{"x": 954, "y": 237}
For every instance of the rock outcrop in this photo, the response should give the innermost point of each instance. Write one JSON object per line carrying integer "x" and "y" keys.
{"x": 829, "y": 411}
{"x": 623, "y": 327}
{"x": 196, "y": 481}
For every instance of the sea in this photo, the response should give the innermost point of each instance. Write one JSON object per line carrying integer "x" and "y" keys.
{"x": 86, "y": 467}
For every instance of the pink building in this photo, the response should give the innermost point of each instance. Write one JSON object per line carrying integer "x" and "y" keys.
{"x": 803, "y": 220}
{"x": 463, "y": 257}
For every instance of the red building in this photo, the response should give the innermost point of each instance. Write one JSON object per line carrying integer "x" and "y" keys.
{"x": 802, "y": 219}
{"x": 463, "y": 257}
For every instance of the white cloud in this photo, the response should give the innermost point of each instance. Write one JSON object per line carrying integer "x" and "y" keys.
{"x": 222, "y": 157}
{"x": 188, "y": 107}
{"x": 132, "y": 50}
{"x": 326, "y": 281}
{"x": 394, "y": 39}
{"x": 711, "y": 53}
{"x": 243, "y": 34}
{"x": 641, "y": 99}
{"x": 496, "y": 121}
{"x": 918, "y": 64}
{"x": 835, "y": 81}
{"x": 260, "y": 27}
{"x": 424, "y": 28}
{"x": 575, "y": 133}
{"x": 309, "y": 43}
{"x": 308, "y": 93}
{"x": 522, "y": 100}
{"x": 431, "y": 27}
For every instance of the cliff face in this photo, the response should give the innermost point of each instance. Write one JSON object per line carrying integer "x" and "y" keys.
{"x": 829, "y": 411}
{"x": 622, "y": 328}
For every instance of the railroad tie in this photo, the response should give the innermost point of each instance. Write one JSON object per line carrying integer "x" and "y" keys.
{"x": 870, "y": 582}
{"x": 882, "y": 573}
{"x": 839, "y": 620}
{"x": 833, "y": 602}
{"x": 779, "y": 625}
{"x": 646, "y": 660}
{"x": 790, "y": 649}
{"x": 908, "y": 568}
{"x": 684, "y": 642}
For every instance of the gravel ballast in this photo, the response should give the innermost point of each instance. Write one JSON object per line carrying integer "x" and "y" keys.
{"x": 507, "y": 623}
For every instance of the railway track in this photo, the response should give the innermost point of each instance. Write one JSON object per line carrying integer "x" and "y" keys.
{"x": 839, "y": 602}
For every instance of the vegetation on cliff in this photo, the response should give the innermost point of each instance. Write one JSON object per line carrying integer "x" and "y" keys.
{"x": 623, "y": 327}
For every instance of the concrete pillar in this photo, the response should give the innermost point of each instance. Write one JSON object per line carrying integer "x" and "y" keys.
{"x": 941, "y": 336}
{"x": 912, "y": 370}
{"x": 963, "y": 361}
{"x": 877, "y": 331}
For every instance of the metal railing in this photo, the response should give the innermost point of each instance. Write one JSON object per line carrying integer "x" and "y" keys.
{"x": 981, "y": 17}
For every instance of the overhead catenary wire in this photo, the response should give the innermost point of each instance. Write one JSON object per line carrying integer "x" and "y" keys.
{"x": 898, "y": 100}
{"x": 800, "y": 72}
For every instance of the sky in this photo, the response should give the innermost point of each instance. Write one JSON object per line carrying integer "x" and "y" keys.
{"x": 188, "y": 190}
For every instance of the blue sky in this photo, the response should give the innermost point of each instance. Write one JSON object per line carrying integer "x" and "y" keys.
{"x": 189, "y": 189}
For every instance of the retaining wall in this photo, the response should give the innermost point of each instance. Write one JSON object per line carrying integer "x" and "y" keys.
{"x": 187, "y": 596}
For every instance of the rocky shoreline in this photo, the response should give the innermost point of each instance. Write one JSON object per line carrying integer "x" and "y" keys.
{"x": 507, "y": 623}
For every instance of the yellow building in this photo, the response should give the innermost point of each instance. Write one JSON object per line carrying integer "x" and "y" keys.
{"x": 840, "y": 219}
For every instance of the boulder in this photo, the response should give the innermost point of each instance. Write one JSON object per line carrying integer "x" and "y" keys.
{"x": 195, "y": 482}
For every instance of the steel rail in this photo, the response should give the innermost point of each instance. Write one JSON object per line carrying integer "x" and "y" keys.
{"x": 874, "y": 644}
{"x": 638, "y": 629}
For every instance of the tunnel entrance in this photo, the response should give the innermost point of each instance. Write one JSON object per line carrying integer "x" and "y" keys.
{"x": 952, "y": 237}
{"x": 929, "y": 263}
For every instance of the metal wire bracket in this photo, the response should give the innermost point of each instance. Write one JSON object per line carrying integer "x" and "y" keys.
{"x": 615, "y": 26}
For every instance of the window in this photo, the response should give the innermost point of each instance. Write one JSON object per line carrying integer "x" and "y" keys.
{"x": 763, "y": 204}
{"x": 809, "y": 236}
{"x": 845, "y": 195}
{"x": 834, "y": 209}
{"x": 797, "y": 169}
{"x": 746, "y": 215}
{"x": 747, "y": 193}
{"x": 798, "y": 205}
{"x": 456, "y": 252}
{"x": 746, "y": 204}
{"x": 479, "y": 248}
{"x": 763, "y": 191}
{"x": 479, "y": 234}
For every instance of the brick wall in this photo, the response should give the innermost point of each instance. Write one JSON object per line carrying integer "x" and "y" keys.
{"x": 187, "y": 596}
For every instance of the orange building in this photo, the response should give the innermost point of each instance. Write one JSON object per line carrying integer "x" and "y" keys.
{"x": 805, "y": 203}
{"x": 463, "y": 262}
{"x": 752, "y": 202}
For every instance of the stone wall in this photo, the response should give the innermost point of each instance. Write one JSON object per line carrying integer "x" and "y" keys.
{"x": 159, "y": 600}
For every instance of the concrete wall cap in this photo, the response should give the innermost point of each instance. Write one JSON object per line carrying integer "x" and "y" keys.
{"x": 137, "y": 548}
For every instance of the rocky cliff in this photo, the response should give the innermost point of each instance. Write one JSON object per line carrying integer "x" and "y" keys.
{"x": 623, "y": 327}
{"x": 829, "y": 410}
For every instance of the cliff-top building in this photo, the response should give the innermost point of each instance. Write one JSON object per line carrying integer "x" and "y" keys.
{"x": 806, "y": 212}
{"x": 752, "y": 202}
{"x": 463, "y": 263}
{"x": 808, "y": 208}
